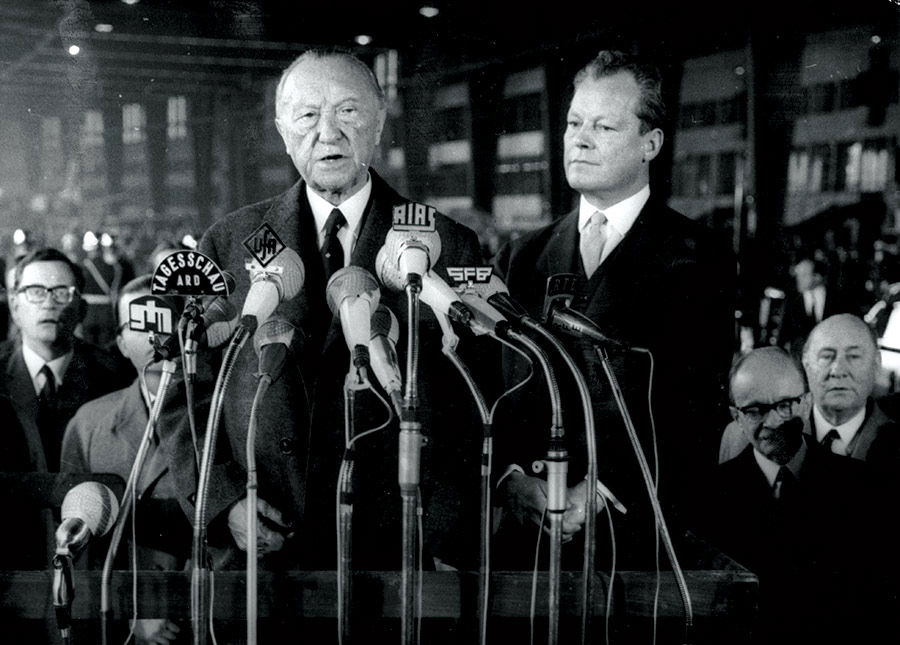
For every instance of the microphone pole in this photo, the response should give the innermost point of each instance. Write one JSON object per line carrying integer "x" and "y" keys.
{"x": 168, "y": 369}
{"x": 557, "y": 464}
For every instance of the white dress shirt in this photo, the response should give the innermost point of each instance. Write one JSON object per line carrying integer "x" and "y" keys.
{"x": 847, "y": 431}
{"x": 353, "y": 209}
{"x": 34, "y": 363}
{"x": 620, "y": 218}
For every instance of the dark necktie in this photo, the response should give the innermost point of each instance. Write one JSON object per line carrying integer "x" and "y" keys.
{"x": 784, "y": 482}
{"x": 829, "y": 439}
{"x": 46, "y": 419}
{"x": 332, "y": 251}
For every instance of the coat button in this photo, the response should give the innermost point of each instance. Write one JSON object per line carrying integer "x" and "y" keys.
{"x": 287, "y": 446}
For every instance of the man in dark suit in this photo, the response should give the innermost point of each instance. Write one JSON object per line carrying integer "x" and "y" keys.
{"x": 48, "y": 372}
{"x": 648, "y": 277}
{"x": 808, "y": 522}
{"x": 812, "y": 301}
{"x": 330, "y": 112}
{"x": 841, "y": 361}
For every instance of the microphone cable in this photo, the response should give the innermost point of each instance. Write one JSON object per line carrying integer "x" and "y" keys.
{"x": 189, "y": 398}
{"x": 344, "y": 481}
{"x": 663, "y": 530}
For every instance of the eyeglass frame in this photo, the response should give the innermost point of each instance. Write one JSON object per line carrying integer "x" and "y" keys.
{"x": 766, "y": 408}
{"x": 69, "y": 289}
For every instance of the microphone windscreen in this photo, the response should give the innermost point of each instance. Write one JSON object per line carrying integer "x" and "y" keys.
{"x": 395, "y": 243}
{"x": 350, "y": 281}
{"x": 384, "y": 323}
{"x": 293, "y": 273}
{"x": 275, "y": 330}
{"x": 94, "y": 503}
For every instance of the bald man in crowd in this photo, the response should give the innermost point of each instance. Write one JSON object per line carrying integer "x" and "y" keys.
{"x": 841, "y": 361}
{"x": 811, "y": 524}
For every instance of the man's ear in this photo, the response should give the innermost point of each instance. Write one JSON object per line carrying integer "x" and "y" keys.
{"x": 381, "y": 117}
{"x": 734, "y": 412}
{"x": 14, "y": 311}
{"x": 120, "y": 343}
{"x": 280, "y": 128}
{"x": 652, "y": 144}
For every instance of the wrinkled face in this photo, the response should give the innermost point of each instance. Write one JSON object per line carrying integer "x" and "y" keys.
{"x": 331, "y": 121}
{"x": 841, "y": 365}
{"x": 606, "y": 156}
{"x": 770, "y": 405}
{"x": 134, "y": 345}
{"x": 46, "y": 324}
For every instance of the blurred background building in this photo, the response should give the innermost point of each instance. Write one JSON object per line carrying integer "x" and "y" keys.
{"x": 147, "y": 119}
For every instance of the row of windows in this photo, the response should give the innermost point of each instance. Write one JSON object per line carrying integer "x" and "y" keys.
{"x": 705, "y": 175}
{"x": 850, "y": 93}
{"x": 719, "y": 112}
{"x": 858, "y": 166}
{"x": 134, "y": 124}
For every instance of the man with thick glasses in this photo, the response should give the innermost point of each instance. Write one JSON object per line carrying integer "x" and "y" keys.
{"x": 808, "y": 522}
{"x": 841, "y": 361}
{"x": 48, "y": 373}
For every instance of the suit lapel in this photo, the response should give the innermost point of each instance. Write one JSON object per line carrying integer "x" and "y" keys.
{"x": 24, "y": 400}
{"x": 561, "y": 255}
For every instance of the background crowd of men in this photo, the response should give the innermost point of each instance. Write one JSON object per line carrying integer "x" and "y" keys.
{"x": 809, "y": 461}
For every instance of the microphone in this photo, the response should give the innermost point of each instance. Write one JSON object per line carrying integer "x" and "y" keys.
{"x": 383, "y": 352}
{"x": 486, "y": 319}
{"x": 406, "y": 256}
{"x": 558, "y": 313}
{"x": 272, "y": 344}
{"x": 281, "y": 279}
{"x": 353, "y": 295}
{"x": 88, "y": 509}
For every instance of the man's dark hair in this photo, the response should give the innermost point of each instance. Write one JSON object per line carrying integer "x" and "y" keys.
{"x": 49, "y": 254}
{"x": 651, "y": 109}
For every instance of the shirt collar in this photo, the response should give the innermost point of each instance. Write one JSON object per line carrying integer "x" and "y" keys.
{"x": 846, "y": 430}
{"x": 34, "y": 363}
{"x": 620, "y": 216}
{"x": 770, "y": 468}
{"x": 353, "y": 207}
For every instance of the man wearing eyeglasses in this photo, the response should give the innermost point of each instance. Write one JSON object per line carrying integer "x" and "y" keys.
{"x": 49, "y": 373}
{"x": 808, "y": 522}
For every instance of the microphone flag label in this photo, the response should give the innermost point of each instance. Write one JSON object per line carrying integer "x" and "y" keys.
{"x": 560, "y": 288}
{"x": 470, "y": 275}
{"x": 413, "y": 217}
{"x": 188, "y": 273}
{"x": 264, "y": 244}
{"x": 151, "y": 314}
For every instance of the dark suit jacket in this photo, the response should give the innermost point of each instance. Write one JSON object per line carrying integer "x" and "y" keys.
{"x": 824, "y": 556}
{"x": 664, "y": 287}
{"x": 300, "y": 436}
{"x": 796, "y": 323}
{"x": 91, "y": 373}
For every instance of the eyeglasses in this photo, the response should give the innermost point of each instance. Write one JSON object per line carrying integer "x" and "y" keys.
{"x": 37, "y": 293}
{"x": 757, "y": 412}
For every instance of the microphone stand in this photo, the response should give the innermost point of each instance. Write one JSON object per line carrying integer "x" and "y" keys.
{"x": 408, "y": 467}
{"x": 252, "y": 485}
{"x": 63, "y": 593}
{"x": 450, "y": 341}
{"x": 168, "y": 368}
{"x": 590, "y": 498}
{"x": 199, "y": 564}
{"x": 557, "y": 471}
{"x": 356, "y": 379}
{"x": 193, "y": 314}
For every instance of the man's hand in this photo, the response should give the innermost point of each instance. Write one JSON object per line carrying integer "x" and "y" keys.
{"x": 268, "y": 540}
{"x": 155, "y": 631}
{"x": 525, "y": 497}
{"x": 576, "y": 505}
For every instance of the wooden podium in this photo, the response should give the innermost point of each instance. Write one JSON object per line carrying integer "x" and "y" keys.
{"x": 724, "y": 601}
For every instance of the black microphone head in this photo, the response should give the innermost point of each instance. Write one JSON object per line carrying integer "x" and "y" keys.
{"x": 230, "y": 282}
{"x": 94, "y": 503}
{"x": 350, "y": 281}
{"x": 384, "y": 323}
{"x": 219, "y": 321}
{"x": 275, "y": 330}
